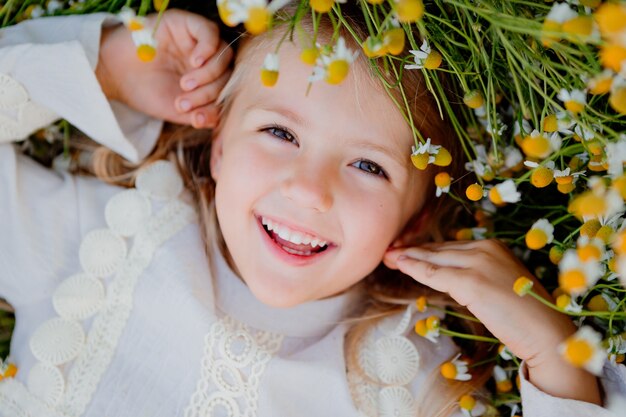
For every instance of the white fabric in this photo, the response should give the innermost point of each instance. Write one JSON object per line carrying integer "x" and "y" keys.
{"x": 190, "y": 343}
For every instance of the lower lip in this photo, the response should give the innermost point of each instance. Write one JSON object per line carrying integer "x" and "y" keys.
{"x": 289, "y": 258}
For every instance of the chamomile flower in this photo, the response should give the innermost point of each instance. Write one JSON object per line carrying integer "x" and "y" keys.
{"x": 131, "y": 20}
{"x": 334, "y": 67}
{"x": 616, "y": 349}
{"x": 474, "y": 192}
{"x": 540, "y": 145}
{"x": 421, "y": 304}
{"x": 576, "y": 276}
{"x": 470, "y": 407}
{"x": 504, "y": 192}
{"x": 424, "y": 57}
{"x": 540, "y": 234}
{"x": 505, "y": 353}
{"x": 569, "y": 304}
{"x": 574, "y": 100}
{"x": 590, "y": 248}
{"x": 269, "y": 71}
{"x": 428, "y": 328}
{"x": 559, "y": 14}
{"x": 455, "y": 369}
{"x": 324, "y": 6}
{"x": 584, "y": 350}
{"x": 408, "y": 11}
{"x": 601, "y": 83}
{"x": 427, "y": 153}
{"x": 146, "y": 44}
{"x": 503, "y": 381}
{"x": 597, "y": 202}
{"x": 522, "y": 286}
{"x": 254, "y": 14}
{"x": 442, "y": 181}
{"x": 617, "y": 99}
{"x": 542, "y": 175}
{"x": 7, "y": 369}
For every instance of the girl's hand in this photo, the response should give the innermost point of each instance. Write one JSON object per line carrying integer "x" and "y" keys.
{"x": 183, "y": 81}
{"x": 480, "y": 275}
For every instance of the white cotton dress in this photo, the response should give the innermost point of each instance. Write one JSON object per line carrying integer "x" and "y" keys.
{"x": 118, "y": 313}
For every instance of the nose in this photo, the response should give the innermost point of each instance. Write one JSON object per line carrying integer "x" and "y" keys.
{"x": 309, "y": 187}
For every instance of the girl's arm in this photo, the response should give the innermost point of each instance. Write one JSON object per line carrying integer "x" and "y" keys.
{"x": 480, "y": 276}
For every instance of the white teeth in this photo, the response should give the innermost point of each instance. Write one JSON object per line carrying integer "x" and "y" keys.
{"x": 292, "y": 236}
{"x": 296, "y": 252}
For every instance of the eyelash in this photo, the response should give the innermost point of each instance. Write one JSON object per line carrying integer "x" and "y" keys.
{"x": 286, "y": 135}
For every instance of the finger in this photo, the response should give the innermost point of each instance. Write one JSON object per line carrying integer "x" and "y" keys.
{"x": 439, "y": 278}
{"x": 202, "y": 95}
{"x": 210, "y": 71}
{"x": 206, "y": 35}
{"x": 442, "y": 257}
{"x": 205, "y": 117}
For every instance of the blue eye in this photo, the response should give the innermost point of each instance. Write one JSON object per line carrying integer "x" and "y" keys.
{"x": 370, "y": 167}
{"x": 281, "y": 133}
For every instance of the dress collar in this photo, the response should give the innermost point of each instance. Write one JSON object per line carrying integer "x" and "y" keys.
{"x": 310, "y": 319}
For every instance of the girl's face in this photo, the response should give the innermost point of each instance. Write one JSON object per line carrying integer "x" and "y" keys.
{"x": 333, "y": 166}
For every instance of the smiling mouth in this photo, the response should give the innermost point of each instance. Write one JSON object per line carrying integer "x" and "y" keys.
{"x": 293, "y": 248}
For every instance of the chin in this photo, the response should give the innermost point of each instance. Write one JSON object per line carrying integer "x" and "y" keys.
{"x": 276, "y": 298}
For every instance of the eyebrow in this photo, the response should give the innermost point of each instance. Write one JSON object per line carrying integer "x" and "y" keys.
{"x": 398, "y": 157}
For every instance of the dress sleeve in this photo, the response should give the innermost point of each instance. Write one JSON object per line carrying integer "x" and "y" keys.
{"x": 46, "y": 73}
{"x": 537, "y": 403}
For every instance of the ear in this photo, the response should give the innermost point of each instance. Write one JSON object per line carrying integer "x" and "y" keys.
{"x": 217, "y": 151}
{"x": 413, "y": 229}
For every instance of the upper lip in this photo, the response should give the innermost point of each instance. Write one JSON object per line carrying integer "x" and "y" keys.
{"x": 296, "y": 228}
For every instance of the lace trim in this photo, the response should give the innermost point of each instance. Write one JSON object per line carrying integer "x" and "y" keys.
{"x": 94, "y": 352}
{"x": 390, "y": 363}
{"x": 234, "y": 359}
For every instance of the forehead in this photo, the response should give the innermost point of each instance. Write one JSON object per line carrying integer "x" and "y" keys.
{"x": 358, "y": 108}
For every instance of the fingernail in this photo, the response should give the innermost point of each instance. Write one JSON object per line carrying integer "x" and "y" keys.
{"x": 200, "y": 119}
{"x": 185, "y": 105}
{"x": 190, "y": 84}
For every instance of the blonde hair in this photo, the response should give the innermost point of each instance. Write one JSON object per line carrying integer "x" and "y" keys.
{"x": 388, "y": 292}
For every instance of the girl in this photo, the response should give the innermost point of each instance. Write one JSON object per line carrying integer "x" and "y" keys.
{"x": 299, "y": 197}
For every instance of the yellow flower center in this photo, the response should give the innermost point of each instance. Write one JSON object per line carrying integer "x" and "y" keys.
{"x": 572, "y": 281}
{"x": 146, "y": 53}
{"x": 589, "y": 253}
{"x": 562, "y": 301}
{"x": 375, "y": 1}
{"x": 373, "y": 47}
{"x": 432, "y": 322}
{"x": 550, "y": 33}
{"x": 420, "y": 328}
{"x": 309, "y": 56}
{"x": 619, "y": 243}
{"x": 617, "y": 100}
{"x": 442, "y": 180}
{"x": 134, "y": 25}
{"x": 258, "y": 20}
{"x": 394, "y": 40}
{"x": 590, "y": 228}
{"x": 578, "y": 352}
{"x": 464, "y": 234}
{"x": 474, "y": 99}
{"x": 322, "y": 6}
{"x": 566, "y": 188}
{"x": 612, "y": 55}
{"x": 448, "y": 370}
{"x": 420, "y": 303}
{"x": 605, "y": 233}
{"x": 588, "y": 204}
{"x": 467, "y": 402}
{"x": 579, "y": 26}
{"x": 522, "y": 286}
{"x": 574, "y": 106}
{"x": 600, "y": 85}
{"x": 550, "y": 123}
{"x": 433, "y": 60}
{"x": 269, "y": 78}
{"x": 536, "y": 146}
{"x": 420, "y": 160}
{"x": 409, "y": 11}
{"x": 337, "y": 71}
{"x": 226, "y": 14}
{"x": 495, "y": 197}
{"x": 474, "y": 192}
{"x": 443, "y": 157}
{"x": 504, "y": 386}
{"x": 536, "y": 239}
{"x": 555, "y": 254}
{"x": 611, "y": 18}
{"x": 598, "y": 303}
{"x": 541, "y": 177}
